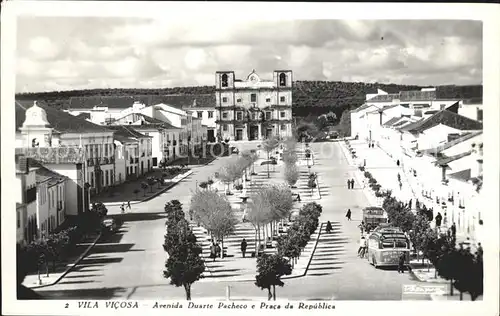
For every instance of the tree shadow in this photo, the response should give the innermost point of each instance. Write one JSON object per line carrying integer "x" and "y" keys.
{"x": 111, "y": 248}
{"x": 100, "y": 261}
{"x": 82, "y": 276}
{"x": 76, "y": 282}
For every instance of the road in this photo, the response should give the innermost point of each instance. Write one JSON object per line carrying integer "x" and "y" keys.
{"x": 129, "y": 265}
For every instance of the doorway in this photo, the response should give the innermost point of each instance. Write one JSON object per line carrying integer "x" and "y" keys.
{"x": 254, "y": 132}
{"x": 239, "y": 134}
{"x": 269, "y": 133}
{"x": 211, "y": 135}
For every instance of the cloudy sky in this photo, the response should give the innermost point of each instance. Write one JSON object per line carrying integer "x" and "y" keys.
{"x": 85, "y": 52}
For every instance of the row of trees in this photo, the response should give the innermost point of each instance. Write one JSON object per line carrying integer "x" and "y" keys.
{"x": 50, "y": 249}
{"x": 236, "y": 168}
{"x": 463, "y": 269}
{"x": 266, "y": 208}
{"x": 184, "y": 265}
{"x": 214, "y": 212}
{"x": 291, "y": 244}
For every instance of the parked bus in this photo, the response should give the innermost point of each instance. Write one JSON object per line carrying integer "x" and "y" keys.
{"x": 385, "y": 246}
{"x": 374, "y": 216}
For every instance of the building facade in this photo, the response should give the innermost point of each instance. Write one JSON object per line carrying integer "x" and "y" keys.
{"x": 253, "y": 109}
{"x": 26, "y": 201}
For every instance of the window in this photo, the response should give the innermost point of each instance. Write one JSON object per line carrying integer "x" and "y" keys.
{"x": 105, "y": 150}
{"x": 224, "y": 128}
{"x": 238, "y": 100}
{"x": 282, "y": 99}
{"x": 224, "y": 115}
{"x": 239, "y": 116}
{"x": 418, "y": 113}
{"x": 224, "y": 80}
{"x": 200, "y": 114}
{"x": 92, "y": 179}
{"x": 283, "y": 127}
{"x": 107, "y": 177}
{"x": 282, "y": 114}
{"x": 18, "y": 219}
{"x": 53, "y": 199}
{"x": 210, "y": 114}
{"x": 268, "y": 100}
{"x": 268, "y": 115}
{"x": 253, "y": 97}
{"x": 282, "y": 80}
{"x": 255, "y": 115}
{"x": 479, "y": 114}
{"x": 224, "y": 99}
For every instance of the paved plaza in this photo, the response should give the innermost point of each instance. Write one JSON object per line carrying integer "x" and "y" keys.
{"x": 129, "y": 264}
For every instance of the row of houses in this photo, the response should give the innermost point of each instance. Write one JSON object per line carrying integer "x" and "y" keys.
{"x": 439, "y": 145}
{"x": 62, "y": 158}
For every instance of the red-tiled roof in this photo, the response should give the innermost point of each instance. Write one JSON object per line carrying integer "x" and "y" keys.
{"x": 447, "y": 118}
{"x": 461, "y": 139}
{"x": 463, "y": 175}
{"x": 147, "y": 121}
{"x": 126, "y": 131}
{"x": 446, "y": 160}
{"x": 61, "y": 121}
{"x": 123, "y": 102}
{"x": 391, "y": 121}
{"x": 43, "y": 173}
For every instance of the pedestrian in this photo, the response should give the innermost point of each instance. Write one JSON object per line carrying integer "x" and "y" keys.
{"x": 348, "y": 184}
{"x": 298, "y": 198}
{"x": 397, "y": 162}
{"x": 128, "y": 204}
{"x": 453, "y": 230}
{"x": 479, "y": 250}
{"x": 243, "y": 247}
{"x": 218, "y": 250}
{"x": 401, "y": 263}
{"x": 122, "y": 208}
{"x": 362, "y": 227}
{"x": 438, "y": 218}
{"x": 348, "y": 214}
{"x": 213, "y": 251}
{"x": 352, "y": 183}
{"x": 362, "y": 247}
{"x": 328, "y": 227}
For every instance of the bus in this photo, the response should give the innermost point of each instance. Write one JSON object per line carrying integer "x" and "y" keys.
{"x": 385, "y": 246}
{"x": 374, "y": 216}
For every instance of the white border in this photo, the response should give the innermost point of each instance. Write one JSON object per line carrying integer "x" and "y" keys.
{"x": 488, "y": 13}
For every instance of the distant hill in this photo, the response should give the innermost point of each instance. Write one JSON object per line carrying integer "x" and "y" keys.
{"x": 309, "y": 97}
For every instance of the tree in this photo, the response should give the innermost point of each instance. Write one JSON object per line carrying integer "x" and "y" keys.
{"x": 251, "y": 157}
{"x": 269, "y": 145}
{"x": 214, "y": 212}
{"x": 421, "y": 234}
{"x": 144, "y": 187}
{"x": 280, "y": 202}
{"x": 56, "y": 244}
{"x": 292, "y": 174}
{"x": 230, "y": 172}
{"x": 151, "y": 182}
{"x": 184, "y": 265}
{"x": 259, "y": 213}
{"x": 344, "y": 125}
{"x": 270, "y": 269}
{"x": 290, "y": 156}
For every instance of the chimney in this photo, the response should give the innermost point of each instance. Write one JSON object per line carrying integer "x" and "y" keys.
{"x": 22, "y": 164}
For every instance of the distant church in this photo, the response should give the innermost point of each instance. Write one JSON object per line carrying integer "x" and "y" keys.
{"x": 254, "y": 108}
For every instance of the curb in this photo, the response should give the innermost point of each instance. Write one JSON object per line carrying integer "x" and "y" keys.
{"x": 314, "y": 249}
{"x": 168, "y": 187}
{"x": 71, "y": 266}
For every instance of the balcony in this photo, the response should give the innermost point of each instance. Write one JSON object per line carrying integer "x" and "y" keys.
{"x": 54, "y": 155}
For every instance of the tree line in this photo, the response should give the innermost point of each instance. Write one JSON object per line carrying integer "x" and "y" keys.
{"x": 459, "y": 265}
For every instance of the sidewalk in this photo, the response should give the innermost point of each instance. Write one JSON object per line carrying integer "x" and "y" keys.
{"x": 168, "y": 185}
{"x": 62, "y": 269}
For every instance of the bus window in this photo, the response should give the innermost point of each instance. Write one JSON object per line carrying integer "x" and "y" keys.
{"x": 401, "y": 244}
{"x": 388, "y": 244}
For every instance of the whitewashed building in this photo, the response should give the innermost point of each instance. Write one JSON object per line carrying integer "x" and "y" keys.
{"x": 26, "y": 201}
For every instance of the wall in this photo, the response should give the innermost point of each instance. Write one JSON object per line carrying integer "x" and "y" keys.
{"x": 120, "y": 165}
{"x": 42, "y": 211}
{"x": 71, "y": 187}
{"x": 470, "y": 110}
{"x": 21, "y": 215}
{"x": 435, "y": 136}
{"x": 463, "y": 146}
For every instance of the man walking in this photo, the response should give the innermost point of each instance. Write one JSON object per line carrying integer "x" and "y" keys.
{"x": 438, "y": 219}
{"x": 362, "y": 247}
{"x": 213, "y": 251}
{"x": 348, "y": 214}
{"x": 401, "y": 263}
{"x": 453, "y": 230}
{"x": 244, "y": 247}
{"x": 352, "y": 183}
{"x": 128, "y": 205}
{"x": 122, "y": 208}
{"x": 348, "y": 184}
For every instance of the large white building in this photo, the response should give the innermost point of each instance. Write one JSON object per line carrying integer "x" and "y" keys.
{"x": 253, "y": 108}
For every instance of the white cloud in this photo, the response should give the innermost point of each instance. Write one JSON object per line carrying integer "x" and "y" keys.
{"x": 43, "y": 48}
{"x": 117, "y": 53}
